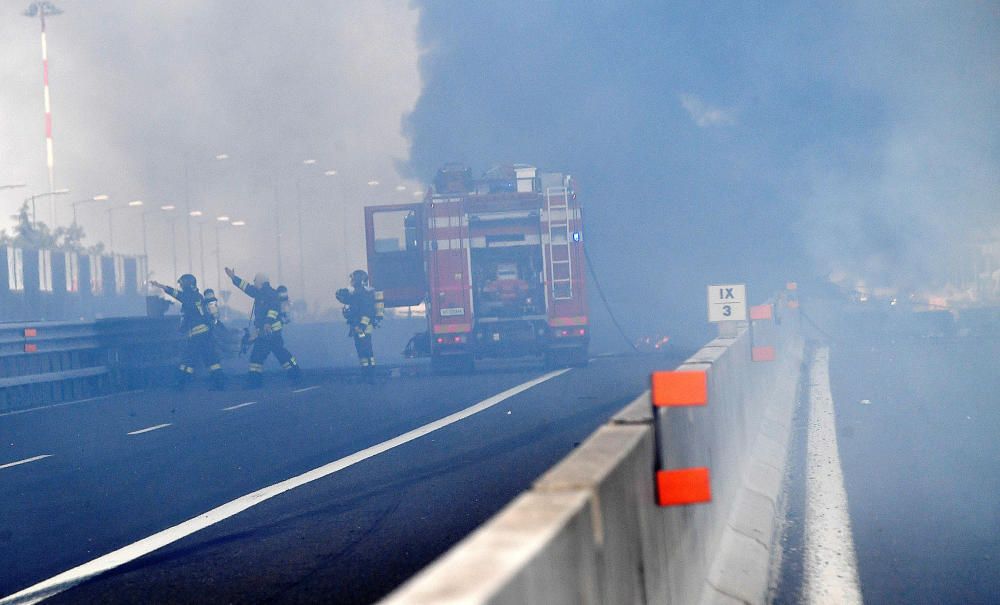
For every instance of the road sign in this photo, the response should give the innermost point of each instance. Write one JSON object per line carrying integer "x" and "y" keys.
{"x": 727, "y": 302}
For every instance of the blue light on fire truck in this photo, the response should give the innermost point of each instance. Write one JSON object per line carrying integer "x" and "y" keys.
{"x": 576, "y": 236}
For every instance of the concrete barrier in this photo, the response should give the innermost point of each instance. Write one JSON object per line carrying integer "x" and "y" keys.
{"x": 590, "y": 531}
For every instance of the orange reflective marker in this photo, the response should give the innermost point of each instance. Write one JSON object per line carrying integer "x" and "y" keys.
{"x": 760, "y": 312}
{"x": 679, "y": 388}
{"x": 791, "y": 286}
{"x": 29, "y": 332}
{"x": 762, "y": 354}
{"x": 793, "y": 304}
{"x": 30, "y": 347}
{"x": 683, "y": 486}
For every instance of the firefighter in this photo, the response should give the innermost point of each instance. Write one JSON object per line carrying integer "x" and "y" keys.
{"x": 196, "y": 323}
{"x": 363, "y": 310}
{"x": 266, "y": 335}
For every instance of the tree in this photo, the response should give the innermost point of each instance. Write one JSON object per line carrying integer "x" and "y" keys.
{"x": 35, "y": 235}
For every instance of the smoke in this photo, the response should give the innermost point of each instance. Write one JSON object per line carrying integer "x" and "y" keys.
{"x": 729, "y": 143}
{"x": 145, "y": 97}
{"x": 910, "y": 207}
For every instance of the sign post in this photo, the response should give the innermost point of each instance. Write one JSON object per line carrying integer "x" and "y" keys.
{"x": 727, "y": 304}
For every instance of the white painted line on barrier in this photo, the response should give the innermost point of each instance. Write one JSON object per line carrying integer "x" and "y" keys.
{"x": 72, "y": 577}
{"x": 150, "y": 428}
{"x": 66, "y": 403}
{"x": 25, "y": 461}
{"x": 831, "y": 566}
{"x": 238, "y": 406}
{"x": 304, "y": 389}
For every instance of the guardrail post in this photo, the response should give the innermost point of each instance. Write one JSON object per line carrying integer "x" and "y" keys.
{"x": 671, "y": 390}
{"x": 762, "y": 345}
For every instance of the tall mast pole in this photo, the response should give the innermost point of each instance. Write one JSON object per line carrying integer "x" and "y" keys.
{"x": 44, "y": 9}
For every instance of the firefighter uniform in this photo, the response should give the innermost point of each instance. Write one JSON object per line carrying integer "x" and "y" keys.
{"x": 196, "y": 322}
{"x": 212, "y": 308}
{"x": 364, "y": 310}
{"x": 267, "y": 335}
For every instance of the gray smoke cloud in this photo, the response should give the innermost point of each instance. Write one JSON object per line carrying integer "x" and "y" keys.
{"x": 144, "y": 94}
{"x": 723, "y": 143}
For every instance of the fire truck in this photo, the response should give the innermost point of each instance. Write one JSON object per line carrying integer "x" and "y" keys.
{"x": 497, "y": 261}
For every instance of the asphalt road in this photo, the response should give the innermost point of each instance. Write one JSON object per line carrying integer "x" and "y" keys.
{"x": 918, "y": 426}
{"x": 125, "y": 467}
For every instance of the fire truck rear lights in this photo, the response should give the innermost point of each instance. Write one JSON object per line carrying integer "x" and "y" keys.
{"x": 581, "y": 331}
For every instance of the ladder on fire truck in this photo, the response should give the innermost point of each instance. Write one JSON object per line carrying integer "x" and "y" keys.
{"x": 560, "y": 263}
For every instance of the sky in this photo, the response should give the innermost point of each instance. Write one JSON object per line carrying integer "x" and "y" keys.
{"x": 712, "y": 142}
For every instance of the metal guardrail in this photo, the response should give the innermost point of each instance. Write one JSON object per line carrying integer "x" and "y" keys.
{"x": 49, "y": 362}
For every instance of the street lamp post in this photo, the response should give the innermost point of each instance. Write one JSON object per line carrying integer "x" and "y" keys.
{"x": 34, "y": 196}
{"x": 201, "y": 238}
{"x": 97, "y": 198}
{"x": 188, "y": 213}
{"x": 111, "y": 224}
{"x": 298, "y": 212}
{"x": 219, "y": 221}
{"x": 173, "y": 234}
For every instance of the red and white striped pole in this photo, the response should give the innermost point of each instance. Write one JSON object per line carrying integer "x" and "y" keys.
{"x": 49, "y": 157}
{"x": 42, "y": 9}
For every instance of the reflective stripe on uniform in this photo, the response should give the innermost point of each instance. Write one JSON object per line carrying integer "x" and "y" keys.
{"x": 371, "y": 361}
{"x": 364, "y": 362}
{"x": 256, "y": 367}
{"x": 186, "y": 369}
{"x": 199, "y": 329}
{"x": 276, "y": 326}
{"x": 272, "y": 314}
{"x": 365, "y": 320}
{"x": 243, "y": 285}
{"x": 215, "y": 367}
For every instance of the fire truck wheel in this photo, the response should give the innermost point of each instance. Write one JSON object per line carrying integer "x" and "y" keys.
{"x": 453, "y": 364}
{"x": 561, "y": 358}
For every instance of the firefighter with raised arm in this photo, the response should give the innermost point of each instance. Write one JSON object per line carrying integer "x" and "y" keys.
{"x": 363, "y": 310}
{"x": 196, "y": 322}
{"x": 266, "y": 336}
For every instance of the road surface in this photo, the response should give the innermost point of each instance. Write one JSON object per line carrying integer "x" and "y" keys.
{"x": 93, "y": 477}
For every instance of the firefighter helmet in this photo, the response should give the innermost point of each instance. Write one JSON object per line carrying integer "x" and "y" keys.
{"x": 359, "y": 278}
{"x": 343, "y": 295}
{"x": 209, "y": 293}
{"x": 282, "y": 292}
{"x": 187, "y": 282}
{"x": 260, "y": 279}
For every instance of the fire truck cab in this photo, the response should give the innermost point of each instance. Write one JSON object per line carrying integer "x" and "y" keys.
{"x": 498, "y": 261}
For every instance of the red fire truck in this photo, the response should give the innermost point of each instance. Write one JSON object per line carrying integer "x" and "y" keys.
{"x": 497, "y": 261}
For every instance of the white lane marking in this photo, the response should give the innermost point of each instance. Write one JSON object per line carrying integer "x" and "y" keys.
{"x": 25, "y": 461}
{"x": 150, "y": 428}
{"x": 66, "y": 403}
{"x": 304, "y": 389}
{"x": 238, "y": 406}
{"x": 831, "y": 565}
{"x": 72, "y": 577}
